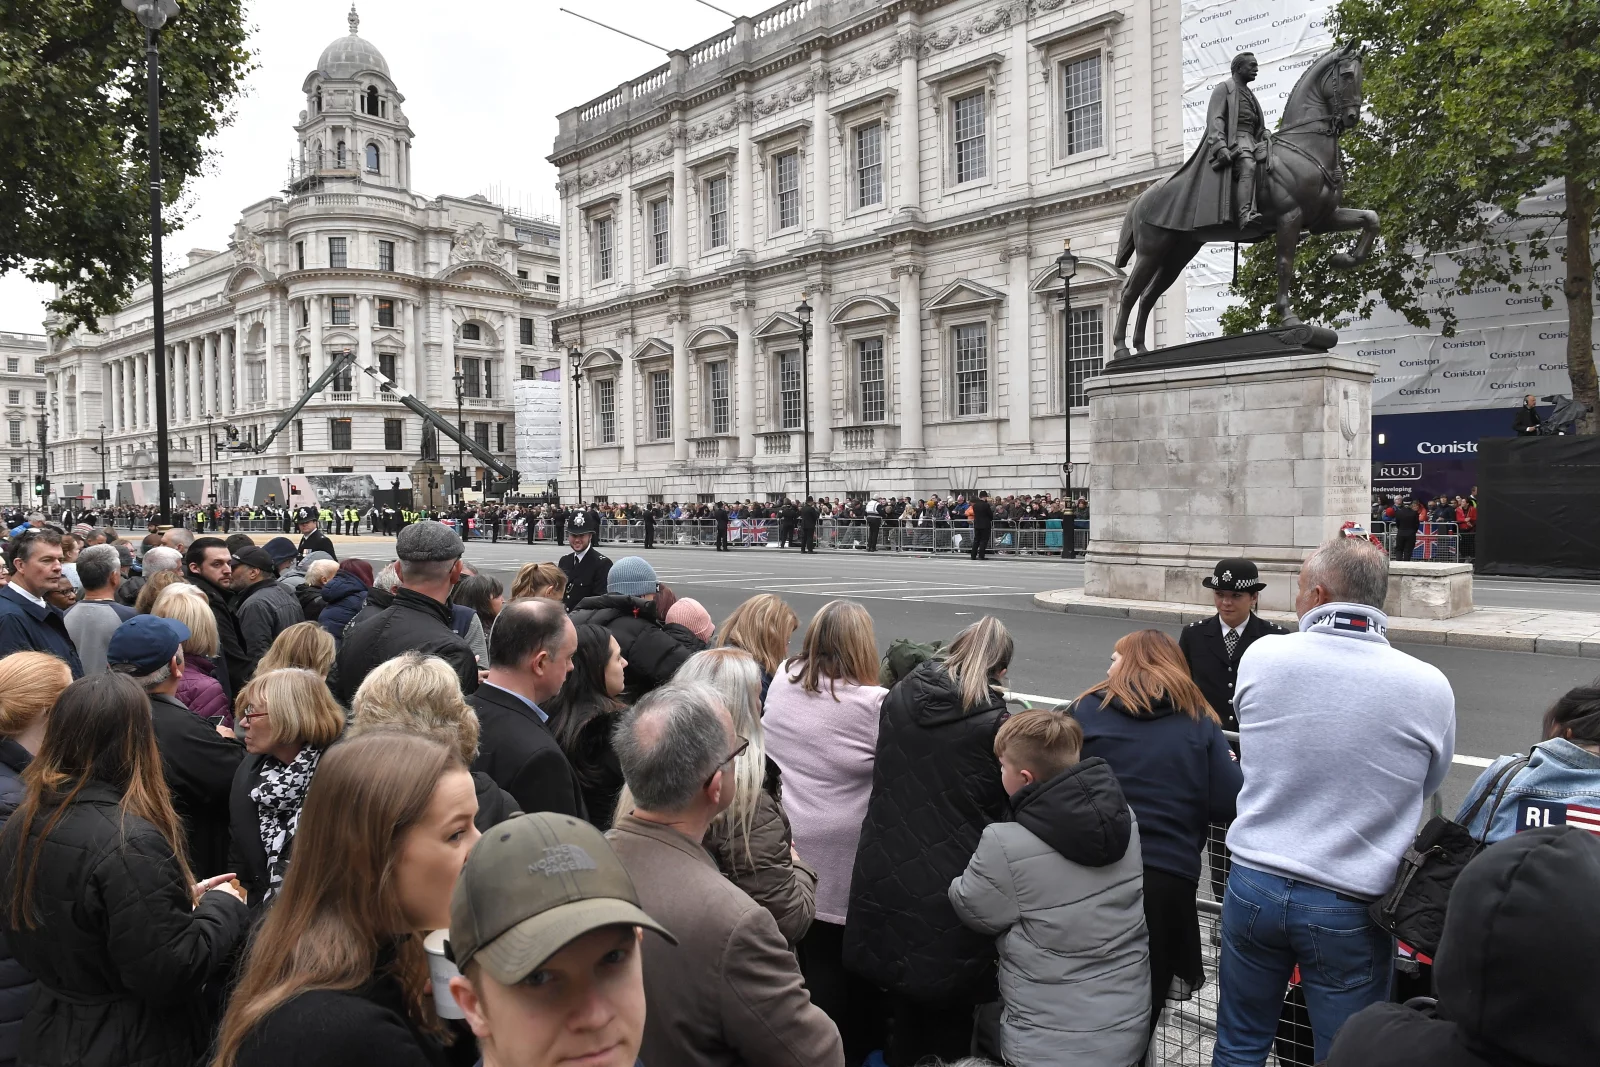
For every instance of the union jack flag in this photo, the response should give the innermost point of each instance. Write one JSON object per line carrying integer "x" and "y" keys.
{"x": 748, "y": 531}
{"x": 1430, "y": 539}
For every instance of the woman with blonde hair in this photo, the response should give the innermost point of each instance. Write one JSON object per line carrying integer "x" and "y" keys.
{"x": 539, "y": 579}
{"x": 154, "y": 586}
{"x": 821, "y": 729}
{"x": 936, "y": 786}
{"x": 198, "y": 689}
{"x": 30, "y": 682}
{"x": 305, "y": 644}
{"x": 752, "y": 841}
{"x": 289, "y": 719}
{"x": 762, "y": 626}
{"x": 337, "y": 973}
{"x": 421, "y": 694}
{"x": 1151, "y": 723}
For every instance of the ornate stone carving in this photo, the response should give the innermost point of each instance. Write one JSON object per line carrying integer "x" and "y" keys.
{"x": 247, "y": 246}
{"x": 1014, "y": 250}
{"x": 999, "y": 18}
{"x": 851, "y": 70}
{"x": 713, "y": 126}
{"x": 788, "y": 96}
{"x": 644, "y": 157}
{"x": 475, "y": 242}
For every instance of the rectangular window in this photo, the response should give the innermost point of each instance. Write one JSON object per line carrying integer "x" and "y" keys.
{"x": 38, "y": 398}
{"x": 394, "y": 434}
{"x": 605, "y": 410}
{"x": 388, "y": 366}
{"x": 339, "y": 435}
{"x": 1081, "y": 106}
{"x": 717, "y": 391}
{"x": 525, "y": 336}
{"x": 300, "y": 255}
{"x": 480, "y": 435}
{"x": 1087, "y": 345}
{"x": 341, "y": 310}
{"x": 659, "y": 251}
{"x": 256, "y": 382}
{"x": 386, "y": 255}
{"x": 972, "y": 369}
{"x": 299, "y": 436}
{"x": 386, "y": 313}
{"x": 488, "y": 379}
{"x": 14, "y": 396}
{"x": 967, "y": 120}
{"x": 553, "y": 280}
{"x": 16, "y": 431}
{"x": 342, "y": 381}
{"x": 717, "y": 212}
{"x": 869, "y": 372}
{"x": 499, "y": 437}
{"x": 471, "y": 381}
{"x": 790, "y": 403}
{"x": 661, "y": 405}
{"x": 869, "y": 165}
{"x": 786, "y": 189}
{"x": 16, "y": 464}
{"x": 529, "y": 372}
{"x": 336, "y": 256}
{"x": 602, "y": 249}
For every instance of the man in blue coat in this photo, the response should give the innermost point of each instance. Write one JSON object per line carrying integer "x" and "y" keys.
{"x": 27, "y": 622}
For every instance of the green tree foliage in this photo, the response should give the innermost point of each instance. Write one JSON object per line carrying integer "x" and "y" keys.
{"x": 74, "y": 174}
{"x": 1472, "y": 105}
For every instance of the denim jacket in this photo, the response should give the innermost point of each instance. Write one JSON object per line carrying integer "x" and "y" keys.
{"x": 1558, "y": 773}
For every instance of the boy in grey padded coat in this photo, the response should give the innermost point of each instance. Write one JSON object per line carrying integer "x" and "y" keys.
{"x": 1062, "y": 889}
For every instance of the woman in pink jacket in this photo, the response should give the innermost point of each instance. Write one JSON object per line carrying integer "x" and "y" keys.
{"x": 821, "y": 727}
{"x": 197, "y": 689}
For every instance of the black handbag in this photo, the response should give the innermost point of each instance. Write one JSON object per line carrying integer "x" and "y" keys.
{"x": 1413, "y": 910}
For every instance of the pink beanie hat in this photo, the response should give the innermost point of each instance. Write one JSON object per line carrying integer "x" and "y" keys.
{"x": 693, "y": 617}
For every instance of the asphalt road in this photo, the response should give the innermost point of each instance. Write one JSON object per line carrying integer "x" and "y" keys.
{"x": 1500, "y": 696}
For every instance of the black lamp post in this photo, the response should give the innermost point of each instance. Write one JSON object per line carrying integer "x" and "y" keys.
{"x": 803, "y": 313}
{"x": 101, "y": 452}
{"x": 575, "y": 357}
{"x": 461, "y": 452}
{"x": 1066, "y": 267}
{"x": 153, "y": 15}
{"x": 211, "y": 451}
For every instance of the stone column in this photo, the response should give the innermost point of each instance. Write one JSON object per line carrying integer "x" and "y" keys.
{"x": 407, "y": 310}
{"x": 197, "y": 396}
{"x": 1016, "y": 374}
{"x": 141, "y": 381}
{"x": 908, "y": 367}
{"x": 908, "y": 145}
{"x": 119, "y": 405}
{"x": 745, "y": 368}
{"x": 319, "y": 360}
{"x": 274, "y": 389}
{"x": 447, "y": 364}
{"x": 680, "y": 384}
{"x": 680, "y": 216}
{"x": 505, "y": 375}
{"x": 821, "y": 372}
{"x": 621, "y": 239}
{"x": 1016, "y": 170}
{"x": 230, "y": 343}
{"x": 821, "y": 154}
{"x": 626, "y": 415}
{"x": 211, "y": 376}
{"x": 361, "y": 385}
{"x": 744, "y": 236}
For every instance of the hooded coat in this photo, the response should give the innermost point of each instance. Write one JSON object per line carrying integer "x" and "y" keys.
{"x": 343, "y": 597}
{"x": 201, "y": 693}
{"x": 654, "y": 651}
{"x": 1512, "y": 969}
{"x": 16, "y": 984}
{"x": 935, "y": 787}
{"x": 1062, "y": 889}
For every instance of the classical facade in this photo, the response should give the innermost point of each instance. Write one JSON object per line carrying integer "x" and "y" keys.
{"x": 23, "y": 383}
{"x": 435, "y": 294}
{"x": 909, "y": 167}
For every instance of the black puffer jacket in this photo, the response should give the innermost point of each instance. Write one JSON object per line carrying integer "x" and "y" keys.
{"x": 16, "y": 984}
{"x": 121, "y": 955}
{"x": 653, "y": 650}
{"x": 935, "y": 786}
{"x": 412, "y": 621}
{"x": 1513, "y": 969}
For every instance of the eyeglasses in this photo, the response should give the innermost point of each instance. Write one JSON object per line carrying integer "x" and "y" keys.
{"x": 250, "y": 713}
{"x": 744, "y": 743}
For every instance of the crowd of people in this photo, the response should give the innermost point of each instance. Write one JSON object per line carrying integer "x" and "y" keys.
{"x": 283, "y": 808}
{"x": 1406, "y": 514}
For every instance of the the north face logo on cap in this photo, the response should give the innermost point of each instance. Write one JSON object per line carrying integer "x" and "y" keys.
{"x": 563, "y": 859}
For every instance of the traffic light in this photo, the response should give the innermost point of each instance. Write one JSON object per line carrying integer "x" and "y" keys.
{"x": 38, "y": 486}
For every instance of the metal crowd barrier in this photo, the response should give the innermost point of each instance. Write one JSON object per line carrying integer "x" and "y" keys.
{"x": 1437, "y": 542}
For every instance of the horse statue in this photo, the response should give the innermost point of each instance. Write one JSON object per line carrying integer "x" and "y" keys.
{"x": 1292, "y": 179}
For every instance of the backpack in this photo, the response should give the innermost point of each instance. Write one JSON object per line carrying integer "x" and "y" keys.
{"x": 903, "y": 656}
{"x": 1413, "y": 909}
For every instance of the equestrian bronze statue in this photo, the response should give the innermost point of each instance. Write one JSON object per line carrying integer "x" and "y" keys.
{"x": 1244, "y": 184}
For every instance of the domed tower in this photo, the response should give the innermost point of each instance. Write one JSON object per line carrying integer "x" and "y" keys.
{"x": 352, "y": 129}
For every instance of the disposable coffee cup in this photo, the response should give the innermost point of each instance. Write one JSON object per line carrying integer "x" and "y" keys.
{"x": 441, "y": 970}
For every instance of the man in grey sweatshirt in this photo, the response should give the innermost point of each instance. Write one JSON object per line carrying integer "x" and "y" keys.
{"x": 1341, "y": 739}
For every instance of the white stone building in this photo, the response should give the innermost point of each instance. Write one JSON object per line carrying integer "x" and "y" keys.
{"x": 23, "y": 383}
{"x": 349, "y": 258}
{"x": 913, "y": 166}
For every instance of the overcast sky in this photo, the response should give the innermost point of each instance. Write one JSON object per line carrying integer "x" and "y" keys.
{"x": 483, "y": 82}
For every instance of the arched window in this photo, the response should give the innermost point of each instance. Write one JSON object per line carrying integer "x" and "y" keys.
{"x": 372, "y": 100}
{"x": 372, "y": 158}
{"x": 319, "y": 101}
{"x": 470, "y": 332}
{"x": 338, "y": 153}
{"x": 316, "y": 153}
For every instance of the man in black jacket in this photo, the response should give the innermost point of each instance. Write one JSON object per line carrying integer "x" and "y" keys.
{"x": 27, "y": 621}
{"x": 808, "y": 526}
{"x": 586, "y": 569}
{"x": 531, "y": 647}
{"x": 719, "y": 515}
{"x": 208, "y": 565}
{"x": 982, "y": 525}
{"x": 312, "y": 539}
{"x": 264, "y": 606}
{"x": 1407, "y": 521}
{"x": 198, "y": 762}
{"x": 1212, "y": 648}
{"x": 654, "y": 650}
{"x": 419, "y": 618}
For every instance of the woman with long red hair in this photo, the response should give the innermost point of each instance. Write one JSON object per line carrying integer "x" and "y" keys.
{"x": 1151, "y": 723}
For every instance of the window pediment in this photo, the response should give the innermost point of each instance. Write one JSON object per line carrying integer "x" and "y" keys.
{"x": 779, "y": 325}
{"x": 863, "y": 309}
{"x": 600, "y": 359}
{"x": 712, "y": 337}
{"x": 965, "y": 295}
{"x": 652, "y": 349}
{"x": 1090, "y": 272}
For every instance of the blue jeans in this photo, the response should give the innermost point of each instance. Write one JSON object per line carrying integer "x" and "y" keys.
{"x": 1270, "y": 924}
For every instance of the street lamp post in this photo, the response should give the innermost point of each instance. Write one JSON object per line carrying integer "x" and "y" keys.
{"x": 153, "y": 15}
{"x": 575, "y": 357}
{"x": 101, "y": 452}
{"x": 211, "y": 452}
{"x": 803, "y": 313}
{"x": 44, "y": 461}
{"x": 1066, "y": 267}
{"x": 461, "y": 452}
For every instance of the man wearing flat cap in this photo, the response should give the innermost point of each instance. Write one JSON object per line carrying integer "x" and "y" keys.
{"x": 1213, "y": 647}
{"x": 585, "y": 567}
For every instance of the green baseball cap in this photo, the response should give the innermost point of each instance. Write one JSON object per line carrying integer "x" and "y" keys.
{"x": 532, "y": 885}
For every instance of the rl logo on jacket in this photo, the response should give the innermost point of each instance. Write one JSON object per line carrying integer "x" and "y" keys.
{"x": 1536, "y": 813}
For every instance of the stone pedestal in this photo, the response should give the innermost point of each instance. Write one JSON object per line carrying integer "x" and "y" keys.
{"x": 1264, "y": 456}
{"x": 1429, "y": 590}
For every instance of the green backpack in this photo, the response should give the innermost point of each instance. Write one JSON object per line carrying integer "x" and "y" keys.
{"x": 903, "y": 656}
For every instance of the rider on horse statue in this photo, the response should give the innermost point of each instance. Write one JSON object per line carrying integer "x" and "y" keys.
{"x": 1235, "y": 145}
